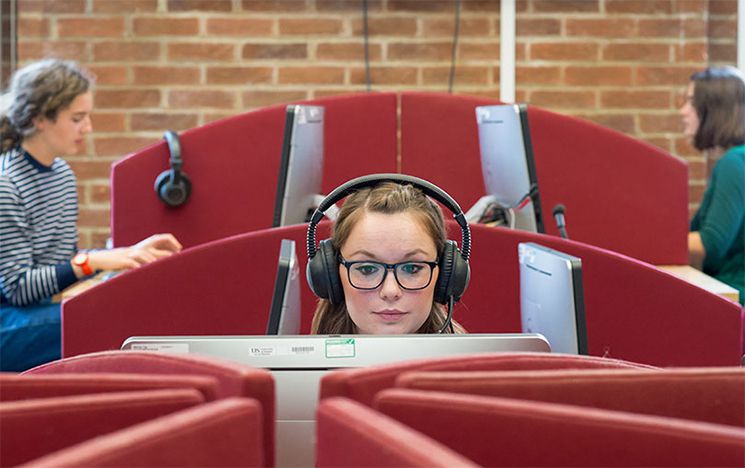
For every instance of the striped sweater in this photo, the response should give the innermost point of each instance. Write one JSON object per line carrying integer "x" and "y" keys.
{"x": 38, "y": 227}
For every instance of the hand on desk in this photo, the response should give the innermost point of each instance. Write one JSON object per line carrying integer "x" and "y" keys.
{"x": 125, "y": 258}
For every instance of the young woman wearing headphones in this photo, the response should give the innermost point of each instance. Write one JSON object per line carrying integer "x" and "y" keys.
{"x": 388, "y": 268}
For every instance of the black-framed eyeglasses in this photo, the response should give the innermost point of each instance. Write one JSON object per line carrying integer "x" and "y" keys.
{"x": 367, "y": 274}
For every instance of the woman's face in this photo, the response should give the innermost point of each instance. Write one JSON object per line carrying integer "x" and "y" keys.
{"x": 388, "y": 238}
{"x": 688, "y": 113}
{"x": 65, "y": 135}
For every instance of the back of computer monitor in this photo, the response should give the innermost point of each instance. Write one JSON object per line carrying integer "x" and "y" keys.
{"x": 508, "y": 167}
{"x": 284, "y": 316}
{"x": 301, "y": 165}
{"x": 552, "y": 298}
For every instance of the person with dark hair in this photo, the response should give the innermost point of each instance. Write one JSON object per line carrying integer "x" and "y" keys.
{"x": 714, "y": 118}
{"x": 388, "y": 238}
{"x": 45, "y": 114}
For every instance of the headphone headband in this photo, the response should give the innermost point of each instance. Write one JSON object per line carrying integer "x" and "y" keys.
{"x": 427, "y": 187}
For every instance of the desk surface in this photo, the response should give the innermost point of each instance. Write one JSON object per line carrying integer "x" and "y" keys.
{"x": 79, "y": 287}
{"x": 702, "y": 280}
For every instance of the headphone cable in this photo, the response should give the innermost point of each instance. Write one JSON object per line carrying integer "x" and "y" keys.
{"x": 456, "y": 33}
{"x": 449, "y": 319}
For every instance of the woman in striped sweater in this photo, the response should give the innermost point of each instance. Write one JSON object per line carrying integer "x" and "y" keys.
{"x": 45, "y": 115}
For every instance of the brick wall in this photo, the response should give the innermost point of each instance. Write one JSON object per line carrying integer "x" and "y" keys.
{"x": 182, "y": 63}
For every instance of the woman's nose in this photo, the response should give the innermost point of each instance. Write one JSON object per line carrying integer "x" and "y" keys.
{"x": 390, "y": 289}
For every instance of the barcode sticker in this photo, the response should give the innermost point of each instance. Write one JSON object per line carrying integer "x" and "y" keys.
{"x": 340, "y": 348}
{"x": 302, "y": 349}
{"x": 162, "y": 347}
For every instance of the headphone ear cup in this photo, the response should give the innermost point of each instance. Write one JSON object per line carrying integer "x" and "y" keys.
{"x": 322, "y": 273}
{"x": 173, "y": 193}
{"x": 455, "y": 272}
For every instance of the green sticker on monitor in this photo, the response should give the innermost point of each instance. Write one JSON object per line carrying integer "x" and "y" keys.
{"x": 340, "y": 348}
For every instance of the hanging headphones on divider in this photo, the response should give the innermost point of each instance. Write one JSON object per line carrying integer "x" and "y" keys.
{"x": 173, "y": 187}
{"x": 323, "y": 262}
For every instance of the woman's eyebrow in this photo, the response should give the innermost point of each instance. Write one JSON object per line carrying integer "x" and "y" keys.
{"x": 371, "y": 255}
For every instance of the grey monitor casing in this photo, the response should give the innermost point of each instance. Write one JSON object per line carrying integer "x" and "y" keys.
{"x": 507, "y": 163}
{"x": 552, "y": 297}
{"x": 285, "y": 312}
{"x": 298, "y": 363}
{"x": 301, "y": 165}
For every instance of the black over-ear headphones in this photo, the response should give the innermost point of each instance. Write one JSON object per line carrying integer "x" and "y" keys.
{"x": 173, "y": 186}
{"x": 323, "y": 264}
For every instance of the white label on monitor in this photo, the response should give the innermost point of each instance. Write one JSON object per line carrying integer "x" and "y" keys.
{"x": 340, "y": 348}
{"x": 162, "y": 347}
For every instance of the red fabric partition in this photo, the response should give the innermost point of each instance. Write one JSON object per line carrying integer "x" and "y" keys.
{"x": 633, "y": 310}
{"x": 350, "y": 434}
{"x": 714, "y": 395}
{"x": 620, "y": 193}
{"x": 222, "y": 287}
{"x": 363, "y": 384}
{"x": 504, "y": 432}
{"x": 32, "y": 428}
{"x": 223, "y": 433}
{"x": 233, "y": 165}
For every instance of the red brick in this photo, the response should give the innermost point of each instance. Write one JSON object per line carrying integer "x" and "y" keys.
{"x": 273, "y": 5}
{"x": 419, "y": 6}
{"x": 90, "y": 27}
{"x": 476, "y": 51}
{"x": 50, "y": 6}
{"x": 239, "y": 75}
{"x": 98, "y": 194}
{"x": 385, "y": 76}
{"x": 165, "y": 75}
{"x": 39, "y": 50}
{"x": 696, "y": 192}
{"x": 691, "y": 52}
{"x": 638, "y": 7}
{"x": 165, "y": 26}
{"x": 211, "y": 117}
{"x": 527, "y": 75}
{"x": 426, "y": 51}
{"x": 635, "y": 99}
{"x": 88, "y": 169}
{"x": 347, "y": 5}
{"x": 464, "y": 75}
{"x": 243, "y": 27}
{"x": 564, "y": 51}
{"x": 660, "y": 123}
{"x": 199, "y": 5}
{"x": 598, "y": 76}
{"x": 683, "y": 147}
{"x": 258, "y": 99}
{"x": 386, "y": 27}
{"x": 662, "y": 143}
{"x": 538, "y": 27}
{"x": 123, "y": 98}
{"x": 275, "y": 51}
{"x": 311, "y": 75}
{"x": 108, "y": 121}
{"x": 637, "y": 52}
{"x": 126, "y": 51}
{"x": 161, "y": 121}
{"x": 309, "y": 26}
{"x": 563, "y": 99}
{"x": 694, "y": 28}
{"x": 33, "y": 27}
{"x": 692, "y": 6}
{"x": 98, "y": 238}
{"x": 696, "y": 169}
{"x": 661, "y": 28}
{"x": 188, "y": 99}
{"x": 623, "y": 123}
{"x": 124, "y": 6}
{"x": 203, "y": 52}
{"x": 119, "y": 146}
{"x": 723, "y": 7}
{"x": 110, "y": 75}
{"x": 599, "y": 28}
{"x": 486, "y": 6}
{"x": 567, "y": 6}
{"x": 444, "y": 27}
{"x": 346, "y": 51}
{"x": 726, "y": 29}
{"x": 93, "y": 217}
{"x": 674, "y": 75}
{"x": 722, "y": 53}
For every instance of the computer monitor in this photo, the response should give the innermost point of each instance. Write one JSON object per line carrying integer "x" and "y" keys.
{"x": 284, "y": 315}
{"x": 297, "y": 364}
{"x": 552, "y": 297}
{"x": 512, "y": 197}
{"x": 301, "y": 166}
